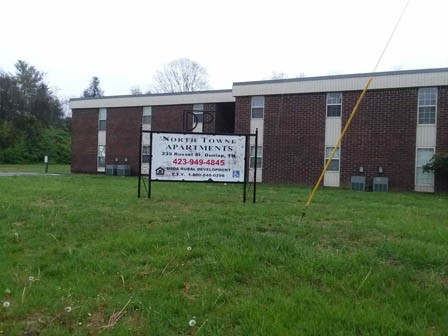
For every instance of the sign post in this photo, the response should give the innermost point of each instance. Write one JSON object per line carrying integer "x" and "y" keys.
{"x": 197, "y": 157}
{"x": 46, "y": 163}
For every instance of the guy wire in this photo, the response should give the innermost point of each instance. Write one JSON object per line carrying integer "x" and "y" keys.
{"x": 352, "y": 115}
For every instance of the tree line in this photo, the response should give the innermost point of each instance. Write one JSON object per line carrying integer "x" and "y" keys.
{"x": 32, "y": 120}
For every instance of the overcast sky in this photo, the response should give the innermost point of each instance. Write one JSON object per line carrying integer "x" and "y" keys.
{"x": 125, "y": 42}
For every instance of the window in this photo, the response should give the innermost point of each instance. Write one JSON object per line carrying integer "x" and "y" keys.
{"x": 146, "y": 152}
{"x": 102, "y": 156}
{"x": 257, "y": 107}
{"x": 427, "y": 106}
{"x": 259, "y": 156}
{"x": 199, "y": 116}
{"x": 147, "y": 114}
{"x": 102, "y": 116}
{"x": 423, "y": 156}
{"x": 334, "y": 104}
{"x": 334, "y": 165}
{"x": 198, "y": 111}
{"x": 197, "y": 119}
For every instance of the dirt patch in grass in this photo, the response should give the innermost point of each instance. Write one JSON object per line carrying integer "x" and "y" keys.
{"x": 272, "y": 229}
{"x": 443, "y": 280}
{"x": 96, "y": 321}
{"x": 43, "y": 203}
{"x": 35, "y": 324}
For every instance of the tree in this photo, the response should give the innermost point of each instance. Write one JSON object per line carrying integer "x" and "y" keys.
{"x": 182, "y": 75}
{"x": 11, "y": 98}
{"x": 46, "y": 107}
{"x": 26, "y": 92}
{"x": 28, "y": 80}
{"x": 438, "y": 164}
{"x": 136, "y": 91}
{"x": 94, "y": 89}
{"x": 28, "y": 111}
{"x": 278, "y": 75}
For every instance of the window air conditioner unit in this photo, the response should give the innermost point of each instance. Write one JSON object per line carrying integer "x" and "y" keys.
{"x": 111, "y": 170}
{"x": 123, "y": 170}
{"x": 380, "y": 184}
{"x": 359, "y": 183}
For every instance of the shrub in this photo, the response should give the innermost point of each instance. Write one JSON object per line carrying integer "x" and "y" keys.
{"x": 438, "y": 164}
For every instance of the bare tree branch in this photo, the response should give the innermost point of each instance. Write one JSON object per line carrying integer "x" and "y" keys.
{"x": 182, "y": 75}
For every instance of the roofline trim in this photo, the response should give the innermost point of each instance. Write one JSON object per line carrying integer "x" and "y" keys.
{"x": 197, "y": 97}
{"x": 382, "y": 80}
{"x": 152, "y": 95}
{"x": 344, "y": 76}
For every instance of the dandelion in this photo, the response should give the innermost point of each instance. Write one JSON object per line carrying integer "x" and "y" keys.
{"x": 68, "y": 309}
{"x": 192, "y": 323}
{"x": 30, "y": 278}
{"x": 6, "y": 304}
{"x": 189, "y": 248}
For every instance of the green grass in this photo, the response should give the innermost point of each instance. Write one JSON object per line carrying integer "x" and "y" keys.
{"x": 35, "y": 168}
{"x": 358, "y": 263}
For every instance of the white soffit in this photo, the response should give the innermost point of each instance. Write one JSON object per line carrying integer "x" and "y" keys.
{"x": 343, "y": 83}
{"x": 154, "y": 100}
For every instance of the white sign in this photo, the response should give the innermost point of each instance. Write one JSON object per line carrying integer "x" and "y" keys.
{"x": 198, "y": 157}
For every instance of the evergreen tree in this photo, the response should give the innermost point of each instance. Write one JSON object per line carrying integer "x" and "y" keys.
{"x": 29, "y": 111}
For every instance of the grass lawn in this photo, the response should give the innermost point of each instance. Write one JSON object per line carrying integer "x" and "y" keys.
{"x": 35, "y": 168}
{"x": 81, "y": 255}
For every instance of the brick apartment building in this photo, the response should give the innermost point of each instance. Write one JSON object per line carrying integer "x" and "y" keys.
{"x": 401, "y": 123}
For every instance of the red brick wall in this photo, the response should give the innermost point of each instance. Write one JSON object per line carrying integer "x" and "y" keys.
{"x": 294, "y": 134}
{"x": 84, "y": 140}
{"x": 242, "y": 115}
{"x": 123, "y": 135}
{"x": 383, "y": 133}
{"x": 169, "y": 118}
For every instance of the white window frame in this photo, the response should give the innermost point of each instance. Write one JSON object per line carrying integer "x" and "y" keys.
{"x": 259, "y": 157}
{"x": 101, "y": 156}
{"x": 146, "y": 153}
{"x": 424, "y": 102}
{"x": 257, "y": 107}
{"x": 334, "y": 99}
{"x": 102, "y": 118}
{"x": 336, "y": 158}
{"x": 147, "y": 115}
{"x": 198, "y": 111}
{"x": 198, "y": 114}
{"x": 419, "y": 167}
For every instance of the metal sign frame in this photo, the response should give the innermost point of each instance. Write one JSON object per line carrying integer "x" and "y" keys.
{"x": 141, "y": 177}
